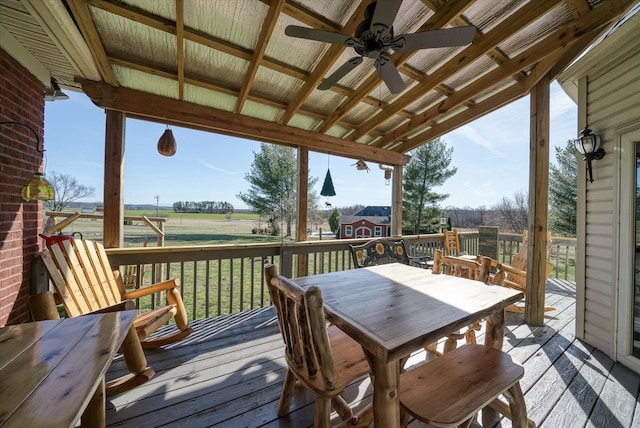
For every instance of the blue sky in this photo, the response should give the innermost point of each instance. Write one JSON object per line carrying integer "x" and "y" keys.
{"x": 491, "y": 154}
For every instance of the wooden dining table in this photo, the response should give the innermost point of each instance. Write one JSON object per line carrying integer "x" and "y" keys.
{"x": 52, "y": 372}
{"x": 393, "y": 310}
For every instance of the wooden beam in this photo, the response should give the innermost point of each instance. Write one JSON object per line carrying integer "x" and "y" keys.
{"x": 268, "y": 25}
{"x": 538, "y": 204}
{"x": 396, "y": 201}
{"x": 323, "y": 66}
{"x": 113, "y": 219}
{"x": 210, "y": 119}
{"x": 302, "y": 206}
{"x": 442, "y": 17}
{"x": 520, "y": 19}
{"x": 82, "y": 17}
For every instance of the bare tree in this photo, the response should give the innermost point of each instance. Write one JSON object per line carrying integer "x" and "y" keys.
{"x": 513, "y": 213}
{"x": 67, "y": 189}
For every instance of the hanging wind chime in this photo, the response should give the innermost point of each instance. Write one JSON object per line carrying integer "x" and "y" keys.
{"x": 327, "y": 187}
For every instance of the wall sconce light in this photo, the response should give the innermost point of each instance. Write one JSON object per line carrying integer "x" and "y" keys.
{"x": 588, "y": 145}
{"x": 54, "y": 93}
{"x": 167, "y": 143}
{"x": 38, "y": 188}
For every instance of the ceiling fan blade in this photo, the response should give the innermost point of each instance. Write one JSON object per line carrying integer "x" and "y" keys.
{"x": 320, "y": 35}
{"x": 390, "y": 75}
{"x": 458, "y": 36}
{"x": 340, "y": 73}
{"x": 384, "y": 15}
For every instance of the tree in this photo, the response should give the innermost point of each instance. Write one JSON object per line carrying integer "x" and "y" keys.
{"x": 272, "y": 184}
{"x": 334, "y": 221}
{"x": 428, "y": 168}
{"x": 67, "y": 189}
{"x": 513, "y": 214}
{"x": 563, "y": 194}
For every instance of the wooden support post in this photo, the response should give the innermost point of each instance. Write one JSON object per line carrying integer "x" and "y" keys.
{"x": 113, "y": 226}
{"x": 396, "y": 201}
{"x": 538, "y": 203}
{"x": 303, "y": 199}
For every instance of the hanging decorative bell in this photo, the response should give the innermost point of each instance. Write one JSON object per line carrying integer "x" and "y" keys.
{"x": 167, "y": 143}
{"x": 327, "y": 187}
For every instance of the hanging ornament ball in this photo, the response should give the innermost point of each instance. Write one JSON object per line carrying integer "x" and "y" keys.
{"x": 167, "y": 143}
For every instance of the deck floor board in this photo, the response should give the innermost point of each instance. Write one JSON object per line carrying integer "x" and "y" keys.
{"x": 229, "y": 373}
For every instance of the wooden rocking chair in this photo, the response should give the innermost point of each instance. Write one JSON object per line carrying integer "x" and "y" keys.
{"x": 85, "y": 282}
{"x": 515, "y": 274}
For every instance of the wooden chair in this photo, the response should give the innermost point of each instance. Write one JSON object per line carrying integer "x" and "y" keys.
{"x": 383, "y": 251}
{"x": 477, "y": 270}
{"x": 84, "y": 281}
{"x": 515, "y": 274}
{"x": 451, "y": 243}
{"x": 320, "y": 358}
{"x": 451, "y": 389}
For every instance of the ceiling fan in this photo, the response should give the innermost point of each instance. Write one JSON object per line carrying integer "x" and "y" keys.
{"x": 374, "y": 38}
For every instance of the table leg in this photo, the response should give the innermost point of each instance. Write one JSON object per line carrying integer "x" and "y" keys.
{"x": 94, "y": 413}
{"x": 386, "y": 403}
{"x": 494, "y": 337}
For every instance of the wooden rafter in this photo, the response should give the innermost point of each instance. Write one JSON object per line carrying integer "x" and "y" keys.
{"x": 440, "y": 18}
{"x": 82, "y": 16}
{"x": 479, "y": 47}
{"x": 268, "y": 25}
{"x": 214, "y": 120}
{"x": 225, "y": 89}
{"x": 180, "y": 46}
{"x": 545, "y": 47}
{"x": 551, "y": 65}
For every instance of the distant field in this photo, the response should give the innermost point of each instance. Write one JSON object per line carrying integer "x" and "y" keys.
{"x": 183, "y": 229}
{"x": 197, "y": 216}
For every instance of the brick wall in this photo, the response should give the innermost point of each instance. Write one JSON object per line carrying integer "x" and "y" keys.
{"x": 21, "y": 100}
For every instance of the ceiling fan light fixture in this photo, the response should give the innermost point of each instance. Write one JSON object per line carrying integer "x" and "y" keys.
{"x": 374, "y": 38}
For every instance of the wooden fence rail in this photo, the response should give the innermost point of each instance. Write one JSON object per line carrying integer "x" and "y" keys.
{"x": 222, "y": 279}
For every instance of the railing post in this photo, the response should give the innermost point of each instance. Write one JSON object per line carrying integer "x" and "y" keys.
{"x": 286, "y": 262}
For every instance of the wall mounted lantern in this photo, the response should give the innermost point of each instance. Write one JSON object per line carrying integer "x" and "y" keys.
{"x": 588, "y": 145}
{"x": 38, "y": 188}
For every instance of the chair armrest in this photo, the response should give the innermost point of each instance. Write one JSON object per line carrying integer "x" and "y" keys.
{"x": 151, "y": 289}
{"x": 125, "y": 305}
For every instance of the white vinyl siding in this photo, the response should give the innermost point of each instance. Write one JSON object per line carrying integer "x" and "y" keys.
{"x": 613, "y": 101}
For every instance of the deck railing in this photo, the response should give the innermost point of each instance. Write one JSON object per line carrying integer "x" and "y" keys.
{"x": 222, "y": 279}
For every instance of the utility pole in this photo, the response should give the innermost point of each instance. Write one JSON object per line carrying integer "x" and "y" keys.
{"x": 157, "y": 205}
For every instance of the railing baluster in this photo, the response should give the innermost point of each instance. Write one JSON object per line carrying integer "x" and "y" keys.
{"x": 207, "y": 299}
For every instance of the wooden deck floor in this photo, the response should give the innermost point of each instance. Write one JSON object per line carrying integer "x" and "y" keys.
{"x": 229, "y": 372}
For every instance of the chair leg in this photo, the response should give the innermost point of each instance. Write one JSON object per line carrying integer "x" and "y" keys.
{"x": 136, "y": 363}
{"x": 286, "y": 395}
{"x": 174, "y": 298}
{"x": 342, "y": 408}
{"x": 322, "y": 417}
{"x": 518, "y": 407}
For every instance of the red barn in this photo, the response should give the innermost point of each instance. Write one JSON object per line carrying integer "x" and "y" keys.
{"x": 369, "y": 222}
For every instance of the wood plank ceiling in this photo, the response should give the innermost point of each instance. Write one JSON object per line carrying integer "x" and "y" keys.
{"x": 228, "y": 67}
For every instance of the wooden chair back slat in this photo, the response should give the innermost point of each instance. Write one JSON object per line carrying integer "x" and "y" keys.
{"x": 112, "y": 288}
{"x": 303, "y": 326}
{"x": 88, "y": 275}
